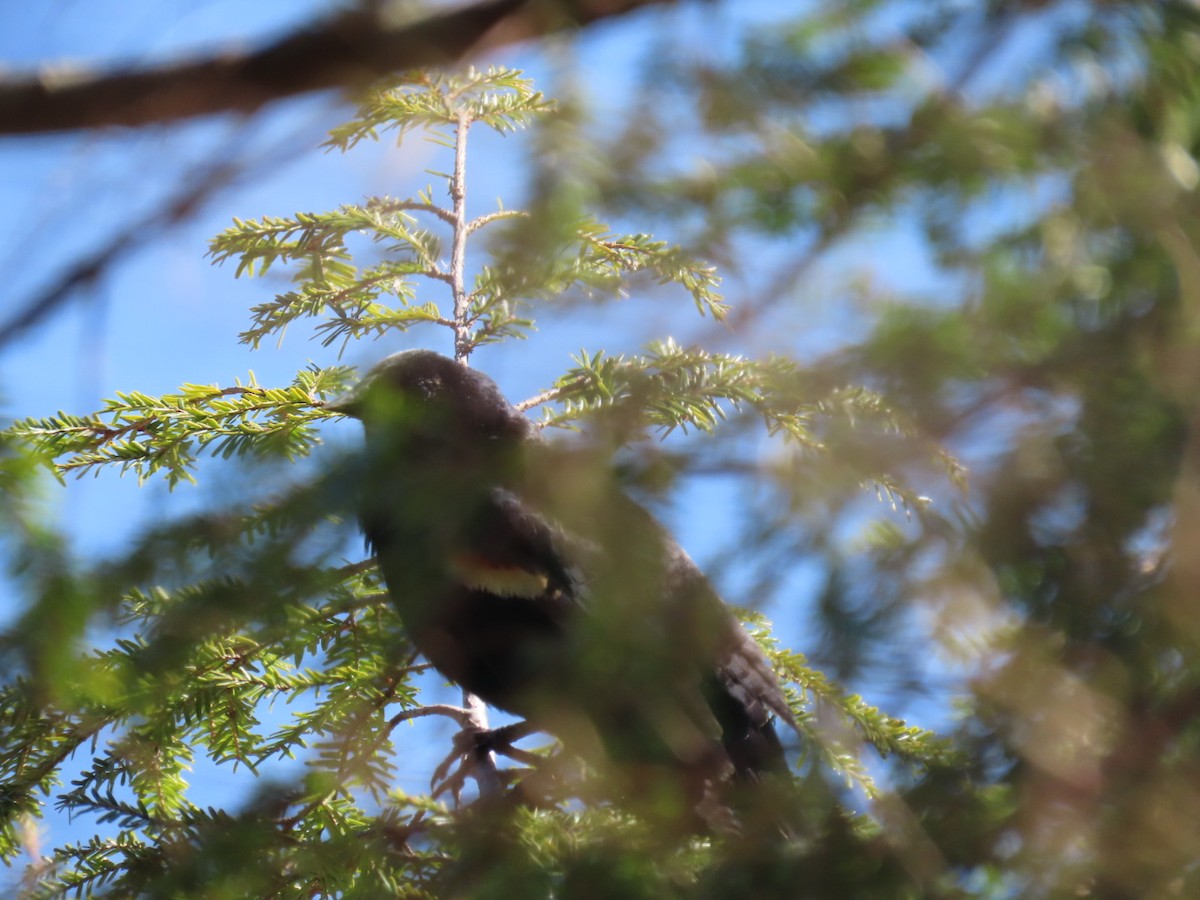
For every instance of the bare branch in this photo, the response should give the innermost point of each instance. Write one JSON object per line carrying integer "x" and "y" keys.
{"x": 348, "y": 49}
{"x": 457, "y": 713}
{"x": 538, "y": 399}
{"x": 415, "y": 206}
{"x": 458, "y": 193}
{"x": 475, "y": 224}
{"x": 91, "y": 267}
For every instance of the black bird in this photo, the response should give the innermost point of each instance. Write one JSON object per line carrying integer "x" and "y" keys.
{"x": 525, "y": 576}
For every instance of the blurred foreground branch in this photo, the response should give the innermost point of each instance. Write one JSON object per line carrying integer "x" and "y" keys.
{"x": 347, "y": 49}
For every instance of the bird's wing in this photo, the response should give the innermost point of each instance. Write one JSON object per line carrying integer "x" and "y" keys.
{"x": 513, "y": 550}
{"x": 674, "y": 630}
{"x": 741, "y": 665}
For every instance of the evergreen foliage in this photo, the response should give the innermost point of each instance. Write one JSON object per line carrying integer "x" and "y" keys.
{"x": 217, "y": 621}
{"x": 1017, "y": 384}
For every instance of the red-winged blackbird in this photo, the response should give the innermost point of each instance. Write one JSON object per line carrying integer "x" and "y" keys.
{"x": 523, "y": 575}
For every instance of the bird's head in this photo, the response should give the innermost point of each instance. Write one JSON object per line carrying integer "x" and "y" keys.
{"x": 428, "y": 397}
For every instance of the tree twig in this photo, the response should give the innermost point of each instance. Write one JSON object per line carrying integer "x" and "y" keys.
{"x": 458, "y": 249}
{"x": 484, "y": 768}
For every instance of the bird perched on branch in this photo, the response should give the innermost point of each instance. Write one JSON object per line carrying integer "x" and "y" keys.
{"x": 524, "y": 575}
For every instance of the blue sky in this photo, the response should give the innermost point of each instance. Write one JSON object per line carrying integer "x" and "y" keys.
{"x": 165, "y": 316}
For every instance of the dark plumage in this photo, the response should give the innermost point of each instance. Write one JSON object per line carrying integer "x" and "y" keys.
{"x": 523, "y": 575}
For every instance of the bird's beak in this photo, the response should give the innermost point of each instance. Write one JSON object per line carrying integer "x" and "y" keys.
{"x": 348, "y": 404}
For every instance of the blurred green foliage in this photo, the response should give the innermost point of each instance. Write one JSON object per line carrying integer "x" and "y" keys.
{"x": 1045, "y": 154}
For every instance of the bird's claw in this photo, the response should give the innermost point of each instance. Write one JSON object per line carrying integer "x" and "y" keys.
{"x": 471, "y": 756}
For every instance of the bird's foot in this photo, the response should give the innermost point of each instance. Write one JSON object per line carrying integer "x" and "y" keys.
{"x": 472, "y": 755}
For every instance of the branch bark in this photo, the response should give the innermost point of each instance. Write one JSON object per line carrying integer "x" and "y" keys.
{"x": 347, "y": 49}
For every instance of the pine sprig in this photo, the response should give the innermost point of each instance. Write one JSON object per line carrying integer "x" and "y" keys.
{"x": 37, "y": 740}
{"x": 605, "y": 258}
{"x": 870, "y": 412}
{"x": 672, "y": 387}
{"x": 354, "y": 303}
{"x": 862, "y": 725}
{"x": 498, "y": 97}
{"x": 83, "y": 869}
{"x": 146, "y": 435}
{"x": 593, "y": 260}
{"x": 212, "y": 697}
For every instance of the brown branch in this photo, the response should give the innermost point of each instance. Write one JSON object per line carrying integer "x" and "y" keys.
{"x": 538, "y": 399}
{"x": 459, "y": 714}
{"x": 458, "y": 193}
{"x": 414, "y": 206}
{"x": 344, "y": 50}
{"x": 475, "y": 224}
